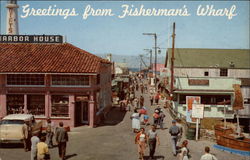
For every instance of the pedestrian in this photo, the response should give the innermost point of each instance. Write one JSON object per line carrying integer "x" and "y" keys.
{"x": 179, "y": 137}
{"x": 156, "y": 117}
{"x": 161, "y": 119}
{"x": 135, "y": 121}
{"x": 61, "y": 139}
{"x": 141, "y": 101}
{"x": 42, "y": 149}
{"x": 183, "y": 155}
{"x": 34, "y": 141}
{"x": 142, "y": 112}
{"x": 137, "y": 87}
{"x": 151, "y": 99}
{"x": 152, "y": 140}
{"x": 49, "y": 132}
{"x": 26, "y": 132}
{"x": 136, "y": 103}
{"x": 129, "y": 106}
{"x": 146, "y": 118}
{"x": 174, "y": 131}
{"x": 157, "y": 97}
{"x": 208, "y": 155}
{"x": 141, "y": 141}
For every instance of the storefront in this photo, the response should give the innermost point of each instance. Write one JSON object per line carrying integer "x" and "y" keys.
{"x": 64, "y": 83}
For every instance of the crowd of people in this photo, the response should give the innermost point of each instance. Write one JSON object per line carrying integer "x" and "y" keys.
{"x": 38, "y": 143}
{"x": 141, "y": 119}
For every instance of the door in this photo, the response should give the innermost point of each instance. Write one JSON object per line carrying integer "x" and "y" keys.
{"x": 85, "y": 112}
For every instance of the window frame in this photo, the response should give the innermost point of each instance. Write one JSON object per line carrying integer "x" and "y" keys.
{"x": 24, "y": 85}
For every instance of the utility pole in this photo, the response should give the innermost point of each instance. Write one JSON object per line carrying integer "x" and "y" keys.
{"x": 155, "y": 38}
{"x": 150, "y": 62}
{"x": 172, "y": 62}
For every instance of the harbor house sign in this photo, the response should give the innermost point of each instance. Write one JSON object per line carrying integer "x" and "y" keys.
{"x": 31, "y": 39}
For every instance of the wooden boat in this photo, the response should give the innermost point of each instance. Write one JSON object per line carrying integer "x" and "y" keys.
{"x": 226, "y": 137}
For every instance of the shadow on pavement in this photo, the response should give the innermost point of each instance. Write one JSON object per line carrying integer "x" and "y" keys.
{"x": 114, "y": 117}
{"x": 70, "y": 156}
{"x": 155, "y": 158}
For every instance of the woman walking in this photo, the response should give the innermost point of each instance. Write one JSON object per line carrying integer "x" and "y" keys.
{"x": 141, "y": 141}
{"x": 184, "y": 151}
{"x": 136, "y": 121}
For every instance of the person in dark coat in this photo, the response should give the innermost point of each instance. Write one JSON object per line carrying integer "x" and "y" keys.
{"x": 61, "y": 139}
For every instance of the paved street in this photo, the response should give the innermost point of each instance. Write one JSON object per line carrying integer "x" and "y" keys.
{"x": 114, "y": 140}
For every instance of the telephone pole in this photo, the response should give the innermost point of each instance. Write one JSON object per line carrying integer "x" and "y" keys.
{"x": 172, "y": 62}
{"x": 155, "y": 38}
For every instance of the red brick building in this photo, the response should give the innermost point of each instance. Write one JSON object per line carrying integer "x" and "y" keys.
{"x": 59, "y": 81}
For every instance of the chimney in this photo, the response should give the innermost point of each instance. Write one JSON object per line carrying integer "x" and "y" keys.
{"x": 12, "y": 17}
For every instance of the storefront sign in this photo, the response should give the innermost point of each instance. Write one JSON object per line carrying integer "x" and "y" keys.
{"x": 190, "y": 100}
{"x": 198, "y": 82}
{"x": 31, "y": 39}
{"x": 82, "y": 98}
{"x": 197, "y": 110}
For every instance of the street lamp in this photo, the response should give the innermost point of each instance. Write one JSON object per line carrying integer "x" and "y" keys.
{"x": 155, "y": 37}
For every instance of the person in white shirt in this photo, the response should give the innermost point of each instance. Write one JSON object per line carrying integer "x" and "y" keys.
{"x": 34, "y": 141}
{"x": 207, "y": 155}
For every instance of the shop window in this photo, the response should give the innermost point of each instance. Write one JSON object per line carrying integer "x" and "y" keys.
{"x": 60, "y": 106}
{"x": 36, "y": 104}
{"x": 70, "y": 80}
{"x": 25, "y": 79}
{"x": 182, "y": 99}
{"x": 223, "y": 72}
{"x": 15, "y": 104}
{"x": 206, "y": 73}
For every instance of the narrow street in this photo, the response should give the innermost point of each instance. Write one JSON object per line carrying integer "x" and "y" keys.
{"x": 114, "y": 140}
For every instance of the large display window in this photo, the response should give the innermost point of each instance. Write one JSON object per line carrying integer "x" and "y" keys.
{"x": 15, "y": 104}
{"x": 36, "y": 104}
{"x": 60, "y": 106}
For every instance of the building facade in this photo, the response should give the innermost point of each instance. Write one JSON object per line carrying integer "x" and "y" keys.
{"x": 57, "y": 81}
{"x": 223, "y": 66}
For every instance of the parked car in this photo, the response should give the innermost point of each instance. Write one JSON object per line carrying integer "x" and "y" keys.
{"x": 11, "y": 127}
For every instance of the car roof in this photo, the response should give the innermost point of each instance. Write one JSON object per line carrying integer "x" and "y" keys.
{"x": 18, "y": 117}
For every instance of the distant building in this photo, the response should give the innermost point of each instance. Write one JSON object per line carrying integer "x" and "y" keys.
{"x": 121, "y": 69}
{"x": 59, "y": 81}
{"x": 211, "y": 73}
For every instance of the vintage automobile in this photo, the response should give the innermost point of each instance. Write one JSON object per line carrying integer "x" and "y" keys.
{"x": 11, "y": 127}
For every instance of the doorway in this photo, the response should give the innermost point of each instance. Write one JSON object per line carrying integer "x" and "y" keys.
{"x": 81, "y": 113}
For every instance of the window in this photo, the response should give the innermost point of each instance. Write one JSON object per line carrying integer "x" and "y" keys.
{"x": 25, "y": 79}
{"x": 206, "y": 73}
{"x": 223, "y": 72}
{"x": 246, "y": 100}
{"x": 36, "y": 104}
{"x": 208, "y": 99}
{"x": 15, "y": 104}
{"x": 70, "y": 80}
{"x": 60, "y": 106}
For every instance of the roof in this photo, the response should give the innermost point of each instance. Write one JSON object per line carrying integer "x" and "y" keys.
{"x": 210, "y": 58}
{"x": 47, "y": 58}
{"x": 18, "y": 117}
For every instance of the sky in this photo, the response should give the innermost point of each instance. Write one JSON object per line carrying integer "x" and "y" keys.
{"x": 124, "y": 36}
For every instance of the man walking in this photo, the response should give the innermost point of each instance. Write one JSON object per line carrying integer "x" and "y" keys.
{"x": 26, "y": 136}
{"x": 49, "y": 132}
{"x": 61, "y": 139}
{"x": 207, "y": 155}
{"x": 34, "y": 141}
{"x": 152, "y": 140}
{"x": 174, "y": 131}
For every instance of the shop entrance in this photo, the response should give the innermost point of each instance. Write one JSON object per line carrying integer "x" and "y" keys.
{"x": 81, "y": 113}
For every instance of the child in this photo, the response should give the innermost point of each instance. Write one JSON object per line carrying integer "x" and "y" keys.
{"x": 146, "y": 117}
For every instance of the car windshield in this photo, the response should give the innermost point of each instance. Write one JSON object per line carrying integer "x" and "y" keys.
{"x": 11, "y": 122}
